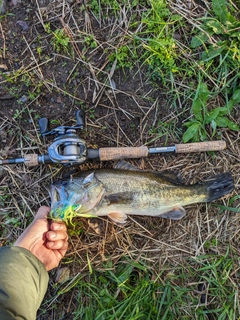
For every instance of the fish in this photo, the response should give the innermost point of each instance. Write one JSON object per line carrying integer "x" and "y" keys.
{"x": 120, "y": 192}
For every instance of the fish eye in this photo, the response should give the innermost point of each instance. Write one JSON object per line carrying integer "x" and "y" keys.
{"x": 64, "y": 183}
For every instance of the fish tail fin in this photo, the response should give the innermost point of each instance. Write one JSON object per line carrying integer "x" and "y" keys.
{"x": 219, "y": 185}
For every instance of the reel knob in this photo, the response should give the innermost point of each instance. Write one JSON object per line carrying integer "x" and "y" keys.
{"x": 43, "y": 125}
{"x": 80, "y": 116}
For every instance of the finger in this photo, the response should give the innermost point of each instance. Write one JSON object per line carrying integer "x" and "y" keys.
{"x": 57, "y": 245}
{"x": 58, "y": 226}
{"x": 56, "y": 235}
{"x": 42, "y": 213}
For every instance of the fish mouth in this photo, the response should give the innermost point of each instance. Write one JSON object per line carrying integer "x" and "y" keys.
{"x": 86, "y": 201}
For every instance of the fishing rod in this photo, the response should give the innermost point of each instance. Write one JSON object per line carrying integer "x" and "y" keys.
{"x": 68, "y": 148}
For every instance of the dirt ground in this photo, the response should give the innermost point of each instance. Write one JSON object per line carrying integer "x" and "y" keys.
{"x": 123, "y": 108}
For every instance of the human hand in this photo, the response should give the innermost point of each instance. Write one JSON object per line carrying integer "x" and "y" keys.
{"x": 47, "y": 240}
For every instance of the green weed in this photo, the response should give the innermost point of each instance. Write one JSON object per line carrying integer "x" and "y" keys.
{"x": 218, "y": 39}
{"x": 60, "y": 40}
{"x": 92, "y": 114}
{"x": 157, "y": 38}
{"x": 55, "y": 122}
{"x": 216, "y": 43}
{"x": 203, "y": 116}
{"x": 230, "y": 206}
{"x": 106, "y": 7}
{"x": 90, "y": 41}
{"x": 153, "y": 45}
{"x": 125, "y": 55}
{"x": 17, "y": 114}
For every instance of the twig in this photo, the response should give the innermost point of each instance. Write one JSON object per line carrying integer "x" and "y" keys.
{"x": 4, "y": 41}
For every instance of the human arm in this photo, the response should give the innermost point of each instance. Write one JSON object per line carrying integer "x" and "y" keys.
{"x": 24, "y": 277}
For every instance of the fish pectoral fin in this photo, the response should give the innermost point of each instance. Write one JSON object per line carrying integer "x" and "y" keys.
{"x": 176, "y": 213}
{"x": 118, "y": 217}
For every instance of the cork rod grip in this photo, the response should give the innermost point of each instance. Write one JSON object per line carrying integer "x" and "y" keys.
{"x": 201, "y": 146}
{"x": 31, "y": 159}
{"x": 122, "y": 153}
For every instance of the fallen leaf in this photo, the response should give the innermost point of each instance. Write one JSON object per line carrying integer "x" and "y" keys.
{"x": 63, "y": 274}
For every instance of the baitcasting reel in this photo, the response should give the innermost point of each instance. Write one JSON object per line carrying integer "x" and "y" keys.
{"x": 67, "y": 147}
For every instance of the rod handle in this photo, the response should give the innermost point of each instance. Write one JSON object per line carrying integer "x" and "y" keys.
{"x": 200, "y": 146}
{"x": 106, "y": 154}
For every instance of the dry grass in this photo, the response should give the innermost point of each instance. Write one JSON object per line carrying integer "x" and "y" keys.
{"x": 114, "y": 102}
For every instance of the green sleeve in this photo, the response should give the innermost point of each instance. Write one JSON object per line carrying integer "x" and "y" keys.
{"x": 23, "y": 283}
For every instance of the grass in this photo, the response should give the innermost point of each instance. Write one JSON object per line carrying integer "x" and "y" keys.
{"x": 200, "y": 288}
{"x": 150, "y": 72}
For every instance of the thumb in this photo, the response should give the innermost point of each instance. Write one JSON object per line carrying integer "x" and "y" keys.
{"x": 42, "y": 213}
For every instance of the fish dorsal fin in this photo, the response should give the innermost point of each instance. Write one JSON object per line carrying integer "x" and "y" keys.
{"x": 124, "y": 165}
{"x": 171, "y": 176}
{"x": 168, "y": 175}
{"x": 119, "y": 198}
{"x": 118, "y": 217}
{"x": 176, "y": 213}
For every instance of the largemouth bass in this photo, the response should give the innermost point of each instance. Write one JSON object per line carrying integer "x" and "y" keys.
{"x": 117, "y": 193}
